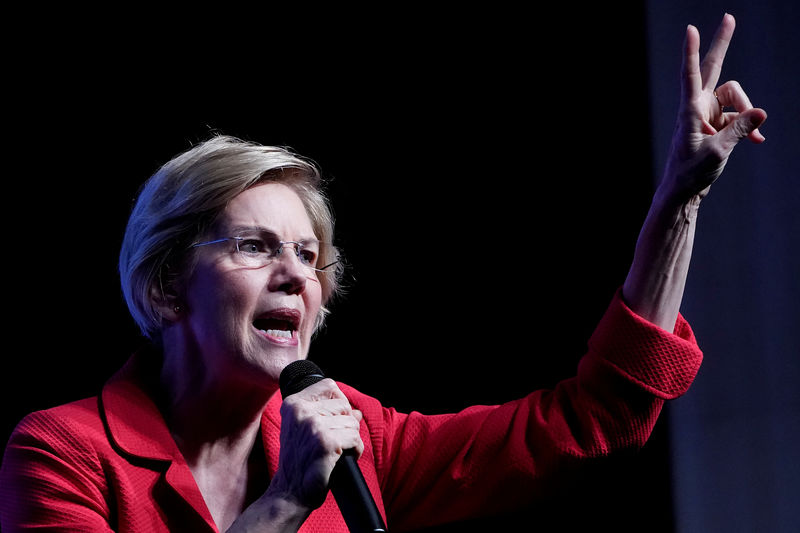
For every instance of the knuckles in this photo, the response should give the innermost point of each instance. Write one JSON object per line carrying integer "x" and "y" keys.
{"x": 321, "y": 416}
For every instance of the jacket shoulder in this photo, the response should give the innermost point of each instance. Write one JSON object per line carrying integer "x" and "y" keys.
{"x": 75, "y": 425}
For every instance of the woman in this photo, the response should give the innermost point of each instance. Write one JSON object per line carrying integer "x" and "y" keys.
{"x": 227, "y": 267}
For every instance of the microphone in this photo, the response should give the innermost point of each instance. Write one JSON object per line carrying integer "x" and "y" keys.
{"x": 347, "y": 482}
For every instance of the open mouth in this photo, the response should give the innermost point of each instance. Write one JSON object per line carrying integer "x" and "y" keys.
{"x": 278, "y": 324}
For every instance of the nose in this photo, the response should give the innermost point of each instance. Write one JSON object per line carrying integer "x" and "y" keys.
{"x": 288, "y": 274}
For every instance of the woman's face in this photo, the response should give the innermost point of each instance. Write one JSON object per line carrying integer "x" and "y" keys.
{"x": 253, "y": 321}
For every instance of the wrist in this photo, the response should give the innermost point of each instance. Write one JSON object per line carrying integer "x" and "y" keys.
{"x": 669, "y": 194}
{"x": 275, "y": 511}
{"x": 283, "y": 508}
{"x": 285, "y": 498}
{"x": 668, "y": 211}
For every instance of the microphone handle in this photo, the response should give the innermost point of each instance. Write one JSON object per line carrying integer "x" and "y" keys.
{"x": 350, "y": 490}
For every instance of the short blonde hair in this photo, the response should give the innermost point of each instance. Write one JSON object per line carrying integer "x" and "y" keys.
{"x": 183, "y": 199}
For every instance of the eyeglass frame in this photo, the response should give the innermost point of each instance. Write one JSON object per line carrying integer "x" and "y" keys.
{"x": 297, "y": 248}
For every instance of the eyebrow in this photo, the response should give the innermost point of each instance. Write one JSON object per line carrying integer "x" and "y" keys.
{"x": 237, "y": 230}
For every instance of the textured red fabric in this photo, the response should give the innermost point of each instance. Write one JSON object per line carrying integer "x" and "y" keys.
{"x": 109, "y": 463}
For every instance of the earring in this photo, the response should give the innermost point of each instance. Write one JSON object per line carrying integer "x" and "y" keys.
{"x": 177, "y": 309}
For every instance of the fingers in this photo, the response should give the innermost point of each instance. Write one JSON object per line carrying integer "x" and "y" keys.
{"x": 746, "y": 124}
{"x": 712, "y": 62}
{"x": 696, "y": 76}
{"x": 323, "y": 398}
{"x": 706, "y": 133}
{"x": 323, "y": 389}
{"x": 318, "y": 425}
{"x": 699, "y": 80}
{"x": 692, "y": 80}
{"x": 328, "y": 413}
{"x": 731, "y": 94}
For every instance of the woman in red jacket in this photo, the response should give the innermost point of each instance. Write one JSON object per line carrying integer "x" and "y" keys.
{"x": 227, "y": 265}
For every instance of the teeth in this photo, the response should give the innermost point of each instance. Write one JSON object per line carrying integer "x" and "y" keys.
{"x": 279, "y": 333}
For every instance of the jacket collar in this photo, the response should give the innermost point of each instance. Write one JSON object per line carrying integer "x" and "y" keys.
{"x": 135, "y": 424}
{"x": 137, "y": 427}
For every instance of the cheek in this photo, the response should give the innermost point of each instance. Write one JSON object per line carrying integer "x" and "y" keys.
{"x": 219, "y": 297}
{"x": 313, "y": 302}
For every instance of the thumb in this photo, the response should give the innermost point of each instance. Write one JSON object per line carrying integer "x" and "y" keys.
{"x": 758, "y": 117}
{"x": 746, "y": 124}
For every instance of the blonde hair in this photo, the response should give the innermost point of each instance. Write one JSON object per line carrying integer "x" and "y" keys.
{"x": 183, "y": 199}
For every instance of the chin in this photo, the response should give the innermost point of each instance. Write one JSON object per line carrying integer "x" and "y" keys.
{"x": 271, "y": 368}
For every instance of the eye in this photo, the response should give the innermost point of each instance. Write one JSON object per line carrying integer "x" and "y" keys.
{"x": 308, "y": 257}
{"x": 252, "y": 246}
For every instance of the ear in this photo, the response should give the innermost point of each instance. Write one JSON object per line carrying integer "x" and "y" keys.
{"x": 167, "y": 302}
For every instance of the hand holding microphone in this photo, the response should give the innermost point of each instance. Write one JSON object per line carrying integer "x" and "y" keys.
{"x": 320, "y": 448}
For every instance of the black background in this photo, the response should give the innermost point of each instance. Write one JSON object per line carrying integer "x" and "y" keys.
{"x": 489, "y": 173}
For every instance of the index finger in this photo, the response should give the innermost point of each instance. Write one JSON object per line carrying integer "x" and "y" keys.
{"x": 324, "y": 389}
{"x": 712, "y": 62}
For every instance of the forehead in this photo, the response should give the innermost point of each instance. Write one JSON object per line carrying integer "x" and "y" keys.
{"x": 274, "y": 206}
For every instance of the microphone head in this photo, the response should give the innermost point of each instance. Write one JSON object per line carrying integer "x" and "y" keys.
{"x": 298, "y": 375}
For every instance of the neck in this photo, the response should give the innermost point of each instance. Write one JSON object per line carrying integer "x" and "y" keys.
{"x": 207, "y": 414}
{"x": 214, "y": 415}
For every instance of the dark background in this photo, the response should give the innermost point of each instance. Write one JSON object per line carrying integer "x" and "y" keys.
{"x": 524, "y": 139}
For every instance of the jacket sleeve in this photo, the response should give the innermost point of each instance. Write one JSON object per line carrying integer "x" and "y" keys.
{"x": 51, "y": 479}
{"x": 496, "y": 458}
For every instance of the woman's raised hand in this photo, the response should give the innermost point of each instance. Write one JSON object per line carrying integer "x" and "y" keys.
{"x": 706, "y": 134}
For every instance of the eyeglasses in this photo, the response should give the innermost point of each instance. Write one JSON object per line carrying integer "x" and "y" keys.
{"x": 260, "y": 251}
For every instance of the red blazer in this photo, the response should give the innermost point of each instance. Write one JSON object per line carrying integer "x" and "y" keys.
{"x": 110, "y": 463}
